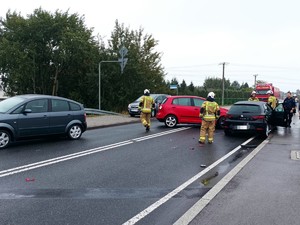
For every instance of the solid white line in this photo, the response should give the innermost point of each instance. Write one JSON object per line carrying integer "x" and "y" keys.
{"x": 48, "y": 162}
{"x": 167, "y": 197}
{"x": 66, "y": 156}
{"x": 57, "y": 160}
{"x": 200, "y": 205}
{"x": 160, "y": 134}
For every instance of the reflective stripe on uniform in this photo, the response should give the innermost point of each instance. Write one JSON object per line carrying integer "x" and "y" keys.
{"x": 210, "y": 107}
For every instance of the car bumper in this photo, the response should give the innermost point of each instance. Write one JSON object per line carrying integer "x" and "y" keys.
{"x": 240, "y": 127}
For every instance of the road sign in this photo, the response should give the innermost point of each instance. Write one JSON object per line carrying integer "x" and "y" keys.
{"x": 123, "y": 51}
{"x": 173, "y": 86}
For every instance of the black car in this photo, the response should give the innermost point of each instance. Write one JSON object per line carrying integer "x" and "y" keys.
{"x": 133, "y": 108}
{"x": 32, "y": 115}
{"x": 253, "y": 117}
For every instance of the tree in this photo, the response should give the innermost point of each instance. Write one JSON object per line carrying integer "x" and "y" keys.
{"x": 47, "y": 53}
{"x": 143, "y": 69}
{"x": 235, "y": 85}
{"x": 215, "y": 83}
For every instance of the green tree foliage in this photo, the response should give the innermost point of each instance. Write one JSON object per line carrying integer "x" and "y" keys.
{"x": 215, "y": 83}
{"x": 143, "y": 69}
{"x": 47, "y": 53}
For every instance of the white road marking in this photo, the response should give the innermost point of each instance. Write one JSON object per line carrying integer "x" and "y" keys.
{"x": 159, "y": 134}
{"x": 48, "y": 162}
{"x": 200, "y": 205}
{"x": 170, "y": 195}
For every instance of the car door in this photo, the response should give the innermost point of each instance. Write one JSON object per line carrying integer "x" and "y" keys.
{"x": 278, "y": 116}
{"x": 34, "y": 119}
{"x": 60, "y": 116}
{"x": 184, "y": 109}
{"x": 197, "y": 104}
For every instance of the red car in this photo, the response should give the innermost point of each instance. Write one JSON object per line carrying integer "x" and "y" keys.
{"x": 184, "y": 109}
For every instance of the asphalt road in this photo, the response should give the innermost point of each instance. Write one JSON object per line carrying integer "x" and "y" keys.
{"x": 111, "y": 175}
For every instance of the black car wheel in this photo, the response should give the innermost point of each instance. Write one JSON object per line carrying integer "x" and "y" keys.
{"x": 5, "y": 139}
{"x": 266, "y": 131}
{"x": 220, "y": 121}
{"x": 75, "y": 132}
{"x": 171, "y": 121}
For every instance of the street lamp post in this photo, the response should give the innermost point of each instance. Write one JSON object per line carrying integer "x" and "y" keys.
{"x": 122, "y": 62}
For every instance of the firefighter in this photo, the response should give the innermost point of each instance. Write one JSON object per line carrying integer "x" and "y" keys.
{"x": 272, "y": 100}
{"x": 253, "y": 96}
{"x": 146, "y": 105}
{"x": 209, "y": 113}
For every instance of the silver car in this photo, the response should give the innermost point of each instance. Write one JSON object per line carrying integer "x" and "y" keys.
{"x": 26, "y": 116}
{"x": 133, "y": 108}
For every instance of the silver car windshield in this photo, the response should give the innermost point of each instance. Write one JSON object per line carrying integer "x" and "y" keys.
{"x": 9, "y": 103}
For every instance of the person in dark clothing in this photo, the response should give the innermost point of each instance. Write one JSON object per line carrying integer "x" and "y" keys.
{"x": 289, "y": 105}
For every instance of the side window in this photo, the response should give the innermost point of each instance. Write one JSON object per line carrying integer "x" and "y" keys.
{"x": 59, "y": 105}
{"x": 198, "y": 102}
{"x": 38, "y": 106}
{"x": 279, "y": 108}
{"x": 159, "y": 99}
{"x": 18, "y": 110}
{"x": 182, "y": 101}
{"x": 75, "y": 107}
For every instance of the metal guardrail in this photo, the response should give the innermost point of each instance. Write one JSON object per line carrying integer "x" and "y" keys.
{"x": 100, "y": 112}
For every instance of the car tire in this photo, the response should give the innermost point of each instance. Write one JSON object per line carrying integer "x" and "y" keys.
{"x": 5, "y": 139}
{"x": 75, "y": 132}
{"x": 170, "y": 121}
{"x": 220, "y": 122}
{"x": 266, "y": 132}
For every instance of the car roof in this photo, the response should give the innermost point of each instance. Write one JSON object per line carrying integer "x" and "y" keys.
{"x": 36, "y": 96}
{"x": 184, "y": 96}
{"x": 249, "y": 103}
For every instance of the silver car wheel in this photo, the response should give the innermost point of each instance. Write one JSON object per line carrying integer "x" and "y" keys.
{"x": 4, "y": 139}
{"x": 75, "y": 132}
{"x": 267, "y": 130}
{"x": 171, "y": 121}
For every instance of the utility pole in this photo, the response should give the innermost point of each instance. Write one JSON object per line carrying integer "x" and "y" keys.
{"x": 255, "y": 75}
{"x": 223, "y": 80}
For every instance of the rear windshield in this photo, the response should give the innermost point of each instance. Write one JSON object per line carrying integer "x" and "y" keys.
{"x": 240, "y": 109}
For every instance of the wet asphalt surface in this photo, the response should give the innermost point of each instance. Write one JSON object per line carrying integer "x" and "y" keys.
{"x": 114, "y": 184}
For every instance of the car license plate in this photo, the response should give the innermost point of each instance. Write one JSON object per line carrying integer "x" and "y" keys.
{"x": 242, "y": 127}
{"x": 134, "y": 110}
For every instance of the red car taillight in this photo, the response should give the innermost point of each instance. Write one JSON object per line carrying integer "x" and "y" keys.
{"x": 228, "y": 116}
{"x": 258, "y": 117}
{"x": 84, "y": 116}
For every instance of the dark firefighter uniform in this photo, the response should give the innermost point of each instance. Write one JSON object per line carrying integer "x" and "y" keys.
{"x": 209, "y": 113}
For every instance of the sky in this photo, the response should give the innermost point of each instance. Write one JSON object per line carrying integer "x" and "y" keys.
{"x": 253, "y": 37}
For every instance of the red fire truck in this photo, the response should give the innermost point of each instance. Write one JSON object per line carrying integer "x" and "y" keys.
{"x": 262, "y": 89}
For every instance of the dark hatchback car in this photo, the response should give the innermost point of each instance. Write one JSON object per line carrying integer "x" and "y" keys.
{"x": 31, "y": 115}
{"x": 253, "y": 117}
{"x": 133, "y": 108}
